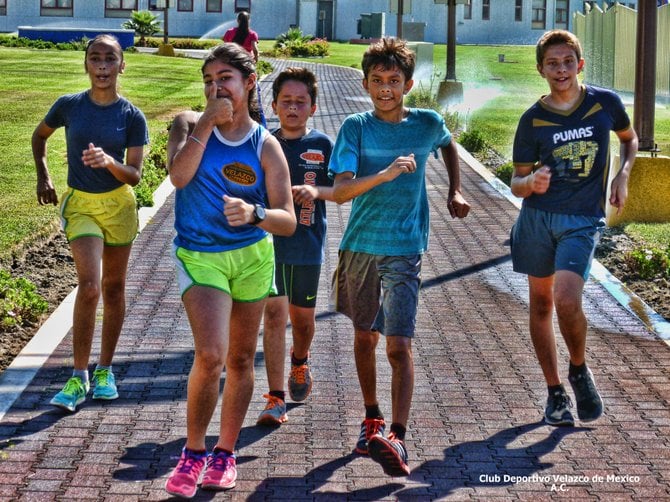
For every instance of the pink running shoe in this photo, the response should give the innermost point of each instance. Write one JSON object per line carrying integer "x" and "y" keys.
{"x": 183, "y": 482}
{"x": 221, "y": 472}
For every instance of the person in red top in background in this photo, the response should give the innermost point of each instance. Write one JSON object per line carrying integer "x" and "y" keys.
{"x": 246, "y": 38}
{"x": 243, "y": 35}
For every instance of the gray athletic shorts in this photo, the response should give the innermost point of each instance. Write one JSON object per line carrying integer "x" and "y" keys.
{"x": 544, "y": 242}
{"x": 378, "y": 293}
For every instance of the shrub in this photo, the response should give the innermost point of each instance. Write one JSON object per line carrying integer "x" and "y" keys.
{"x": 505, "y": 172}
{"x": 154, "y": 170}
{"x": 423, "y": 98}
{"x": 19, "y": 301}
{"x": 649, "y": 262}
{"x": 294, "y": 44}
{"x": 472, "y": 140}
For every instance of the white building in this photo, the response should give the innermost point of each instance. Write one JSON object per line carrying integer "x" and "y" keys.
{"x": 478, "y": 21}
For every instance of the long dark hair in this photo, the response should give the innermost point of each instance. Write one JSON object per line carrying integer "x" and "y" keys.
{"x": 242, "y": 28}
{"x": 235, "y": 56}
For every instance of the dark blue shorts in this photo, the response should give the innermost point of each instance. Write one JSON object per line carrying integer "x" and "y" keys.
{"x": 544, "y": 242}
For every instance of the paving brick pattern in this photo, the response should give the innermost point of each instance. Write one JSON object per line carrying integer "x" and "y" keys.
{"x": 475, "y": 431}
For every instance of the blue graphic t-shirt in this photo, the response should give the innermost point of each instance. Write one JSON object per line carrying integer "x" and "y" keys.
{"x": 227, "y": 168}
{"x": 392, "y": 219}
{"x": 308, "y": 163}
{"x": 575, "y": 145}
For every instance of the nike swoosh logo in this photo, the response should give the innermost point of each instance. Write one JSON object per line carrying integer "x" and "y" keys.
{"x": 309, "y": 298}
{"x": 120, "y": 128}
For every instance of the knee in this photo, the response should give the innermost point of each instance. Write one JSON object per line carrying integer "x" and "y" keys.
{"x": 89, "y": 291}
{"x": 568, "y": 306}
{"x": 366, "y": 340}
{"x": 399, "y": 354}
{"x": 113, "y": 290}
{"x": 240, "y": 362}
{"x": 210, "y": 362}
{"x": 542, "y": 305}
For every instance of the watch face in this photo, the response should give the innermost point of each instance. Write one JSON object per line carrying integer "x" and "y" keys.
{"x": 259, "y": 214}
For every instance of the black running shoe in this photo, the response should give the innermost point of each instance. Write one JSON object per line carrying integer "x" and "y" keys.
{"x": 369, "y": 427}
{"x": 589, "y": 402}
{"x": 390, "y": 453}
{"x": 557, "y": 411}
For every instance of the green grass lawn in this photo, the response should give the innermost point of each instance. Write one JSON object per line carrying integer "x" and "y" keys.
{"x": 33, "y": 79}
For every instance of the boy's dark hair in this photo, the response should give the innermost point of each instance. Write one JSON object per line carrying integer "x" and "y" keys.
{"x": 235, "y": 56}
{"x": 557, "y": 37}
{"x": 300, "y": 75}
{"x": 389, "y": 53}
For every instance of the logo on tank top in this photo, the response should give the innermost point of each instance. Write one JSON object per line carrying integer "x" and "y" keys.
{"x": 239, "y": 173}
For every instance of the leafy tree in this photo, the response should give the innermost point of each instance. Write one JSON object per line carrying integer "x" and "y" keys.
{"x": 145, "y": 25}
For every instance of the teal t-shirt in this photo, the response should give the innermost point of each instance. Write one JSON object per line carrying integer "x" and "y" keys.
{"x": 392, "y": 219}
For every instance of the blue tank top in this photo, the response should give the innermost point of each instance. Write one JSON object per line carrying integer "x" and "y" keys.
{"x": 227, "y": 168}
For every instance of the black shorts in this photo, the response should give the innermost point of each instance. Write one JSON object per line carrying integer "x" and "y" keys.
{"x": 299, "y": 282}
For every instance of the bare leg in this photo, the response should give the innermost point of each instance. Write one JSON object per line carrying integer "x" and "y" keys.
{"x": 114, "y": 268}
{"x": 399, "y": 352}
{"x": 238, "y": 389}
{"x": 365, "y": 343}
{"x": 274, "y": 340}
{"x": 571, "y": 319}
{"x": 87, "y": 254}
{"x": 303, "y": 321}
{"x": 541, "y": 326}
{"x": 208, "y": 311}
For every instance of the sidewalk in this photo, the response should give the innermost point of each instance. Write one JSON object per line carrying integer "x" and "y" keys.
{"x": 475, "y": 431}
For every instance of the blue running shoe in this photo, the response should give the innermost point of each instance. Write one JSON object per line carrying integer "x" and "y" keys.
{"x": 105, "y": 385}
{"x": 72, "y": 395}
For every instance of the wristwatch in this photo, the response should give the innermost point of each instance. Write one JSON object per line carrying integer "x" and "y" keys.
{"x": 259, "y": 214}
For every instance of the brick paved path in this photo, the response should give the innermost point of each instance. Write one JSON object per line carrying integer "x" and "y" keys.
{"x": 475, "y": 430}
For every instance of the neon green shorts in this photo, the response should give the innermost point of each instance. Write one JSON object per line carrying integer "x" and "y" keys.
{"x": 246, "y": 274}
{"x": 112, "y": 216}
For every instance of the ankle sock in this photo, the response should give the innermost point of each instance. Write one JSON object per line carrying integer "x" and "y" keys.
{"x": 298, "y": 362}
{"x": 278, "y": 393}
{"x": 373, "y": 411}
{"x": 553, "y": 388}
{"x": 399, "y": 430}
{"x": 82, "y": 374}
{"x": 573, "y": 370}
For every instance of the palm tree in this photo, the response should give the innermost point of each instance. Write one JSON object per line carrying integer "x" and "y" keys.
{"x": 144, "y": 23}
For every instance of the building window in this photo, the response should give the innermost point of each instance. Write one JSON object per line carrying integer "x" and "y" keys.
{"x": 539, "y": 21}
{"x": 486, "y": 10}
{"x": 242, "y": 5}
{"x": 56, "y": 8}
{"x": 214, "y": 6}
{"x": 185, "y": 5}
{"x": 3, "y": 7}
{"x": 467, "y": 10}
{"x": 562, "y": 9}
{"x": 120, "y": 8}
{"x": 518, "y": 10}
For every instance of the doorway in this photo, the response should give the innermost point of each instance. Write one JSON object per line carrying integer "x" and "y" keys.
{"x": 324, "y": 19}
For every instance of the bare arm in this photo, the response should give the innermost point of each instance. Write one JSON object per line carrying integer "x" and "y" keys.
{"x": 627, "y": 153}
{"x": 525, "y": 182}
{"x": 456, "y": 203}
{"x": 308, "y": 193}
{"x": 46, "y": 193}
{"x": 130, "y": 172}
{"x": 346, "y": 187}
{"x": 189, "y": 134}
